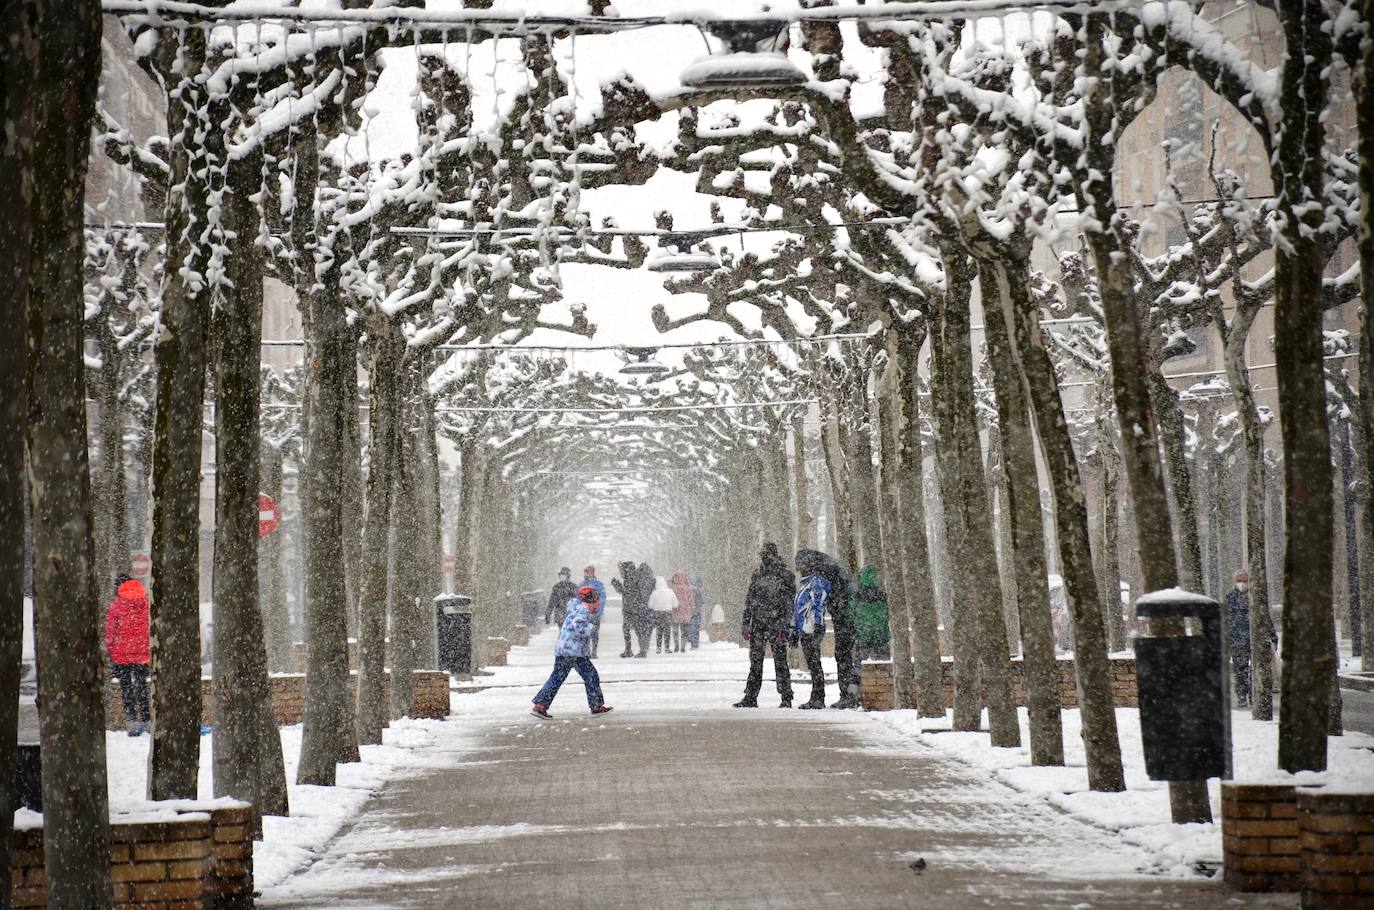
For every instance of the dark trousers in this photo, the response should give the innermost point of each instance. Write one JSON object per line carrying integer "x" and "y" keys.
{"x": 1240, "y": 672}
{"x": 679, "y": 636}
{"x": 811, "y": 650}
{"x": 627, "y": 623}
{"x": 663, "y": 621}
{"x": 562, "y": 666}
{"x": 760, "y": 642}
{"x": 694, "y": 630}
{"x": 133, "y": 689}
{"x": 846, "y": 663}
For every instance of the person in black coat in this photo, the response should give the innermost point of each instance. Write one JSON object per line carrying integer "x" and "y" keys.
{"x": 767, "y": 622}
{"x": 645, "y": 627}
{"x": 563, "y": 591}
{"x": 633, "y": 606}
{"x": 841, "y": 611}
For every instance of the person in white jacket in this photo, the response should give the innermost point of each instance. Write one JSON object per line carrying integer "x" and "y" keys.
{"x": 661, "y": 604}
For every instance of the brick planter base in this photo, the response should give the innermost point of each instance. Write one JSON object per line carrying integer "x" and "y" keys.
{"x": 520, "y": 636}
{"x": 877, "y": 689}
{"x": 288, "y": 697}
{"x": 716, "y": 631}
{"x": 1337, "y": 849}
{"x": 201, "y": 859}
{"x": 497, "y": 651}
{"x": 1259, "y": 829}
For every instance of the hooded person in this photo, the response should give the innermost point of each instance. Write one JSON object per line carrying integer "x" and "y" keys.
{"x": 682, "y": 611}
{"x": 632, "y": 606}
{"x": 841, "y": 593}
{"x": 808, "y": 621}
{"x": 871, "y": 630}
{"x": 590, "y": 580}
{"x": 563, "y": 591}
{"x": 661, "y": 604}
{"x": 127, "y": 643}
{"x": 768, "y": 607}
{"x": 572, "y": 651}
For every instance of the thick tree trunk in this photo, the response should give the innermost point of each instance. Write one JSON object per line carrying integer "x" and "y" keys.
{"x": 1027, "y": 531}
{"x": 180, "y": 353}
{"x": 276, "y": 618}
{"x": 244, "y": 749}
{"x": 1006, "y": 572}
{"x": 1092, "y": 671}
{"x": 1308, "y": 628}
{"x": 833, "y": 449}
{"x": 409, "y": 508}
{"x": 76, "y": 813}
{"x": 111, "y": 495}
{"x": 353, "y": 515}
{"x": 19, "y": 53}
{"x": 911, "y": 532}
{"x": 1108, "y": 554}
{"x": 1364, "y": 419}
{"x": 386, "y": 348}
{"x": 806, "y": 520}
{"x": 966, "y": 514}
{"x": 898, "y": 611}
{"x": 1172, "y": 432}
{"x": 1252, "y": 438}
{"x": 864, "y": 496}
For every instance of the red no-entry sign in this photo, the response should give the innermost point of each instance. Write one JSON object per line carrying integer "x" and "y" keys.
{"x": 450, "y": 563}
{"x": 140, "y": 564}
{"x": 269, "y": 515}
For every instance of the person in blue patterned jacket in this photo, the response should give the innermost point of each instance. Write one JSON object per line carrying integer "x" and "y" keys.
{"x": 808, "y": 622}
{"x": 572, "y": 652}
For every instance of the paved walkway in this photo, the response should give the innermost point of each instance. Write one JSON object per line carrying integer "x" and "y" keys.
{"x": 703, "y": 806}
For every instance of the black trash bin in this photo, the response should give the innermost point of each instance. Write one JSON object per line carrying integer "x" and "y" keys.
{"x": 28, "y": 778}
{"x": 532, "y": 609}
{"x": 1181, "y": 681}
{"x": 453, "y": 632}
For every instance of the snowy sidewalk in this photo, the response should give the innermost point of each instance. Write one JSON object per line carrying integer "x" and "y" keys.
{"x": 677, "y": 800}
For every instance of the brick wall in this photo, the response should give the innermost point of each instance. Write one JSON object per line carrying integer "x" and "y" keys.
{"x": 877, "y": 689}
{"x": 1259, "y": 837}
{"x": 188, "y": 860}
{"x": 1122, "y": 671}
{"x": 1337, "y": 838}
{"x": 288, "y": 697}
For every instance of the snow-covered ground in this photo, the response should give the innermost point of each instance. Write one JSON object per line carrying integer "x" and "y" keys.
{"x": 709, "y": 680}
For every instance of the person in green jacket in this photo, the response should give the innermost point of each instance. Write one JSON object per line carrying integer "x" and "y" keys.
{"x": 870, "y": 617}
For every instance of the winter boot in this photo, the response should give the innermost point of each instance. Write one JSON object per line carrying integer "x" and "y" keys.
{"x": 813, "y": 704}
{"x": 541, "y": 711}
{"x": 131, "y": 728}
{"x": 626, "y": 654}
{"x": 786, "y": 702}
{"x": 601, "y": 709}
{"x": 848, "y": 701}
{"x": 746, "y": 703}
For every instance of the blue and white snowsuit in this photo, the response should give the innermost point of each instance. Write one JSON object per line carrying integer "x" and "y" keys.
{"x": 808, "y": 627}
{"x": 571, "y": 652}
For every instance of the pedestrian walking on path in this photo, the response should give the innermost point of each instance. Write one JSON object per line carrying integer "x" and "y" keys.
{"x": 871, "y": 630}
{"x": 767, "y": 617}
{"x": 661, "y": 604}
{"x": 563, "y": 591}
{"x": 571, "y": 652}
{"x": 841, "y": 592}
{"x": 589, "y": 580}
{"x": 126, "y": 641}
{"x": 808, "y": 621}
{"x": 632, "y": 608}
{"x": 682, "y": 610}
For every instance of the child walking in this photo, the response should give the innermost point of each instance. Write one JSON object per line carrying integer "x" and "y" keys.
{"x": 571, "y": 653}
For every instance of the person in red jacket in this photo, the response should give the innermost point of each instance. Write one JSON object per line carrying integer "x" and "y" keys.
{"x": 126, "y": 641}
